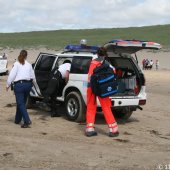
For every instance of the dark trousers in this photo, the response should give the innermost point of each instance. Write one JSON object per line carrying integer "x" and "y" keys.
{"x": 22, "y": 91}
{"x": 53, "y": 87}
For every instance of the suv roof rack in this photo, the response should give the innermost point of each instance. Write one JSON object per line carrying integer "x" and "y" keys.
{"x": 80, "y": 48}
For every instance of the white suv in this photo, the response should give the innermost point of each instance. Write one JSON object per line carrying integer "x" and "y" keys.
{"x": 131, "y": 82}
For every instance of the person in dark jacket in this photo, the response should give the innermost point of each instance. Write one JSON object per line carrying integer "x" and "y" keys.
{"x": 59, "y": 78}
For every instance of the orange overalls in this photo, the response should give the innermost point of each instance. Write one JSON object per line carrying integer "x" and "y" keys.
{"x": 92, "y": 105}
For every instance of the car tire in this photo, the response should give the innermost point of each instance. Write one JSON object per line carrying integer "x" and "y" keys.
{"x": 75, "y": 107}
{"x": 122, "y": 115}
{"x": 30, "y": 103}
{"x": 126, "y": 115}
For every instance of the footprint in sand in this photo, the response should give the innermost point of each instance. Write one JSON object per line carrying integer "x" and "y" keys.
{"x": 122, "y": 140}
{"x": 155, "y": 132}
{"x": 10, "y": 105}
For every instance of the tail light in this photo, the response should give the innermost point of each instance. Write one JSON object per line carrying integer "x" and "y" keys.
{"x": 142, "y": 102}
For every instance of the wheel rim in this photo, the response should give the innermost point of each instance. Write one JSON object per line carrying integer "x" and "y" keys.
{"x": 72, "y": 107}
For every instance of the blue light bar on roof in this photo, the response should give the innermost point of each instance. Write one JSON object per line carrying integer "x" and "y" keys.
{"x": 81, "y": 48}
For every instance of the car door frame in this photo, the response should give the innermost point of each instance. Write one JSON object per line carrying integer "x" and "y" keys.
{"x": 42, "y": 76}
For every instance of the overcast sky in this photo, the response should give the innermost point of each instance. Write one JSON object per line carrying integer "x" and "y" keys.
{"x": 38, "y": 15}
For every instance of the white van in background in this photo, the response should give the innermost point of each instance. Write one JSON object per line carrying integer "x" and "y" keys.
{"x": 3, "y": 65}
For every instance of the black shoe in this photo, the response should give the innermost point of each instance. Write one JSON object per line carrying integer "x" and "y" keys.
{"x": 45, "y": 107}
{"x": 25, "y": 125}
{"x": 55, "y": 114}
{"x": 111, "y": 134}
{"x": 16, "y": 122}
{"x": 91, "y": 133}
{"x": 29, "y": 123}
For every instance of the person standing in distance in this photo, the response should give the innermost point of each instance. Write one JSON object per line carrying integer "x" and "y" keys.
{"x": 21, "y": 75}
{"x": 157, "y": 64}
{"x": 105, "y": 102}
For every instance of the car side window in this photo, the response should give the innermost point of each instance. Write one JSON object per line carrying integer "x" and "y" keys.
{"x": 80, "y": 64}
{"x": 61, "y": 60}
{"x": 45, "y": 63}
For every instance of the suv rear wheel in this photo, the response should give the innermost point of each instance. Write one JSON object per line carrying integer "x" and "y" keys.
{"x": 75, "y": 107}
{"x": 124, "y": 116}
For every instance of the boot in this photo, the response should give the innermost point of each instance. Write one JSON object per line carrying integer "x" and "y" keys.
{"x": 111, "y": 134}
{"x": 54, "y": 113}
{"x": 44, "y": 106}
{"x": 90, "y": 130}
{"x": 92, "y": 133}
{"x": 54, "y": 110}
{"x": 113, "y": 130}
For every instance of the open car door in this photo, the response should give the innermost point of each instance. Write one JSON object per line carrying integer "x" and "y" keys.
{"x": 43, "y": 67}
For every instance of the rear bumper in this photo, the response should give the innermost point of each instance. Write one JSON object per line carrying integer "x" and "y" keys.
{"x": 124, "y": 102}
{"x": 138, "y": 100}
{"x": 128, "y": 102}
{"x": 2, "y": 71}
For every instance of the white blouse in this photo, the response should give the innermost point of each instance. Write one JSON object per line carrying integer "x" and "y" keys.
{"x": 20, "y": 72}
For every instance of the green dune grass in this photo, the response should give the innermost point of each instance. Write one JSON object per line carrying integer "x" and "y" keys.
{"x": 59, "y": 38}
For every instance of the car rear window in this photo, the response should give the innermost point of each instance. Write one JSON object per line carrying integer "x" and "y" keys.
{"x": 122, "y": 63}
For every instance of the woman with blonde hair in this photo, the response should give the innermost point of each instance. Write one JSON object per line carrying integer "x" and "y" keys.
{"x": 21, "y": 75}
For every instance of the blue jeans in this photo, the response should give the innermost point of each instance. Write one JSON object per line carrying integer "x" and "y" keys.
{"x": 22, "y": 91}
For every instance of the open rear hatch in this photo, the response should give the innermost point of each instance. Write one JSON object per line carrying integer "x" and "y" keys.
{"x": 130, "y": 46}
{"x": 130, "y": 78}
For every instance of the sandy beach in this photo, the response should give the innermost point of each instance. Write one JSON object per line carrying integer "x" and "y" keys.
{"x": 58, "y": 144}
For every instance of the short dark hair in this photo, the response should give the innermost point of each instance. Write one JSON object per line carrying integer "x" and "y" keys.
{"x": 67, "y": 61}
{"x": 102, "y": 52}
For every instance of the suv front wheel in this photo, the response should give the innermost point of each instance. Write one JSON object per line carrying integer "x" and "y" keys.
{"x": 75, "y": 107}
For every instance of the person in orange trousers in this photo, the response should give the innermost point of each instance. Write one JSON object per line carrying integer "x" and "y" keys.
{"x": 104, "y": 102}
